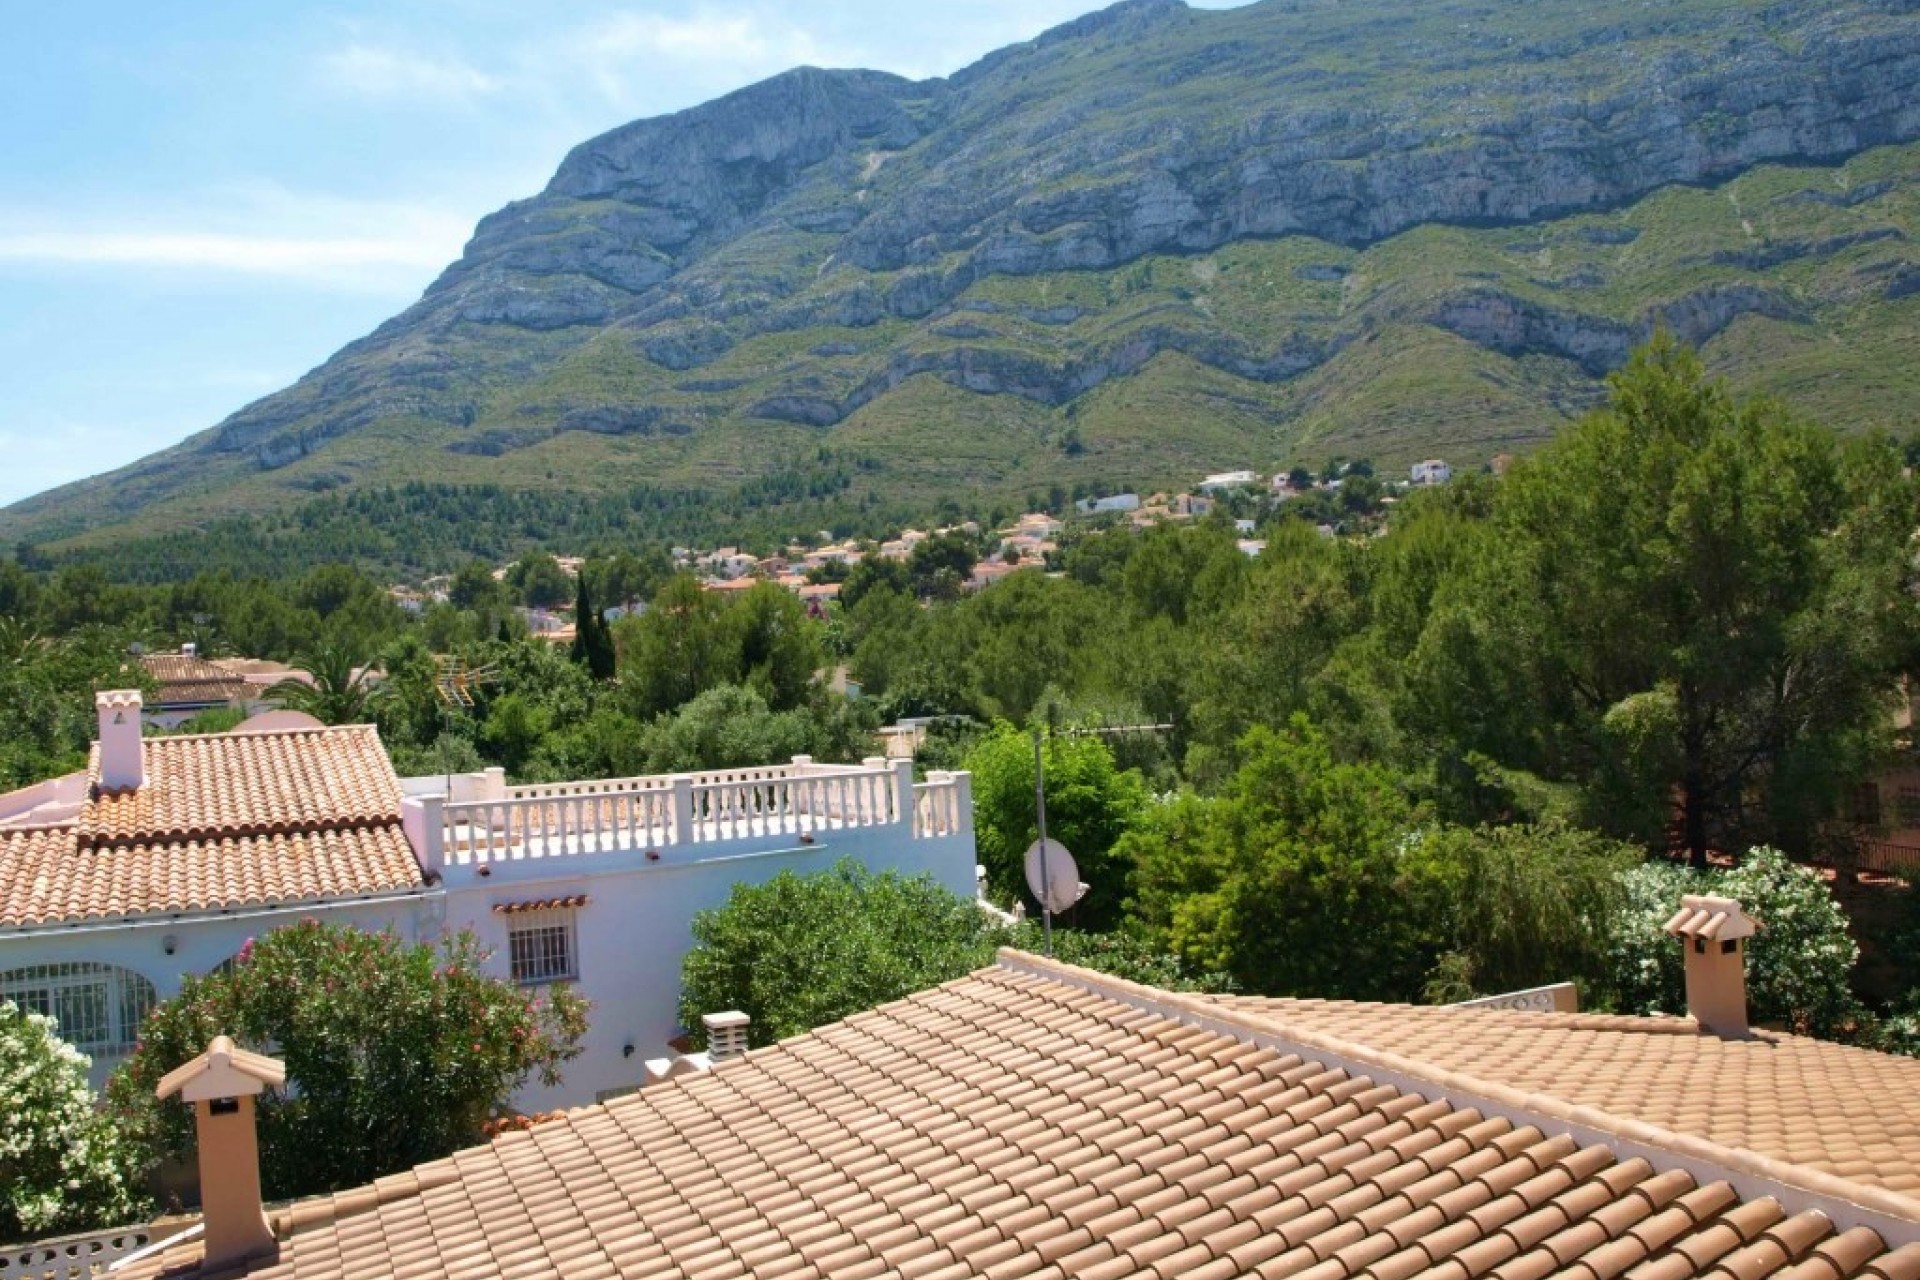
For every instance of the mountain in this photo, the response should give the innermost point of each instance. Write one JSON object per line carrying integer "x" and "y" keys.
{"x": 1152, "y": 241}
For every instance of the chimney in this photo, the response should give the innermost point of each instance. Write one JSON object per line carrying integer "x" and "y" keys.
{"x": 220, "y": 1084}
{"x": 122, "y": 761}
{"x": 1714, "y": 930}
{"x": 190, "y": 650}
{"x": 726, "y": 1034}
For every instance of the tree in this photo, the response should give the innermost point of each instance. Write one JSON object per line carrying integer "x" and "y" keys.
{"x": 1517, "y": 906}
{"x": 1289, "y": 881}
{"x": 778, "y": 647}
{"x": 396, "y": 1053}
{"x": 537, "y": 581}
{"x": 800, "y": 951}
{"x": 1799, "y": 963}
{"x": 475, "y": 588}
{"x": 1090, "y": 805}
{"x": 1710, "y": 602}
{"x": 939, "y": 565}
{"x": 592, "y": 638}
{"x": 338, "y": 690}
{"x": 62, "y": 1164}
{"x": 676, "y": 649}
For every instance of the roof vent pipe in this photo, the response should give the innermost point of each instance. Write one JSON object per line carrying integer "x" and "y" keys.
{"x": 1714, "y": 931}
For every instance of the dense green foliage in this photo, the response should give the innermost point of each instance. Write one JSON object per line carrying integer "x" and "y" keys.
{"x": 800, "y": 951}
{"x": 395, "y": 1054}
{"x": 62, "y": 1167}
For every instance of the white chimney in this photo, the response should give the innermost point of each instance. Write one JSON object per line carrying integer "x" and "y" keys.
{"x": 726, "y": 1034}
{"x": 221, "y": 1084}
{"x": 122, "y": 761}
{"x": 189, "y": 650}
{"x": 1713, "y": 931}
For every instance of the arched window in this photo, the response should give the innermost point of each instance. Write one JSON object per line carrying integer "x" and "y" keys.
{"x": 99, "y": 1006}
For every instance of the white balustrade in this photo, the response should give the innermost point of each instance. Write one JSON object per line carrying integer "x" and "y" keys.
{"x": 546, "y": 820}
{"x": 71, "y": 1257}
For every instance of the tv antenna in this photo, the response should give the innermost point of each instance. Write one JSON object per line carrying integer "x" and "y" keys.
{"x": 1052, "y": 874}
{"x": 454, "y": 681}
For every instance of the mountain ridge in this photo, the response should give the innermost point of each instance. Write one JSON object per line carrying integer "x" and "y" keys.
{"x": 781, "y": 262}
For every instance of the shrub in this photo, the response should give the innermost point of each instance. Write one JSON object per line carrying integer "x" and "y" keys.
{"x": 395, "y": 1053}
{"x": 61, "y": 1161}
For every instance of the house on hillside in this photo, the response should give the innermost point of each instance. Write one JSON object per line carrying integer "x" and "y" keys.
{"x": 1040, "y": 1120}
{"x": 1227, "y": 480}
{"x": 188, "y": 684}
{"x": 1114, "y": 502}
{"x": 1432, "y": 471}
{"x": 169, "y": 853}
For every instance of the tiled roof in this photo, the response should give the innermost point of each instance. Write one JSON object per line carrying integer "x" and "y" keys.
{"x": 1037, "y": 1121}
{"x": 190, "y": 681}
{"x": 46, "y": 878}
{"x": 247, "y": 784}
{"x": 221, "y": 822}
{"x": 1810, "y": 1103}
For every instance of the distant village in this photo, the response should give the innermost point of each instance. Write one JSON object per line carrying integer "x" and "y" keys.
{"x": 814, "y": 570}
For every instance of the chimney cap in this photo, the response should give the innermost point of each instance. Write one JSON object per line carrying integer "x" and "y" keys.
{"x": 223, "y": 1071}
{"x": 1712, "y": 918}
{"x": 117, "y": 700}
{"x": 720, "y": 1021}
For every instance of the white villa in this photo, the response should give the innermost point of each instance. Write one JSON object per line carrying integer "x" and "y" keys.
{"x": 169, "y": 853}
{"x": 1432, "y": 471}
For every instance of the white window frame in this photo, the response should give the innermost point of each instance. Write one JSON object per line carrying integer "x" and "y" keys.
{"x": 543, "y": 946}
{"x": 98, "y": 1007}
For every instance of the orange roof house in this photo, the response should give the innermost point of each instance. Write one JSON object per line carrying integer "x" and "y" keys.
{"x": 1038, "y": 1120}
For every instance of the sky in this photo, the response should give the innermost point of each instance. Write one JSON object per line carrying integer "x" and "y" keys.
{"x": 199, "y": 202}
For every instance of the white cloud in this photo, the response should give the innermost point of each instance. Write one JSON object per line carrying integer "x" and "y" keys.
{"x": 705, "y": 49}
{"x": 259, "y": 230}
{"x": 374, "y": 71}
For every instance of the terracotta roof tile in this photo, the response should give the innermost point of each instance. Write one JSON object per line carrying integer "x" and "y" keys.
{"x": 247, "y": 784}
{"x": 222, "y": 822}
{"x": 1022, "y": 1125}
{"x": 1785, "y": 1098}
{"x": 188, "y": 681}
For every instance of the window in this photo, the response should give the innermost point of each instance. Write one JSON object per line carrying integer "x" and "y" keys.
{"x": 1866, "y": 804}
{"x": 540, "y": 946}
{"x": 1907, "y": 804}
{"x": 99, "y": 1007}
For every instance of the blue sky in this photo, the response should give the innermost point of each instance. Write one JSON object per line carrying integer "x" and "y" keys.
{"x": 199, "y": 202}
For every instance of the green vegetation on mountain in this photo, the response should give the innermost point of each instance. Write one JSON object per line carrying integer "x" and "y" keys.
{"x": 1153, "y": 242}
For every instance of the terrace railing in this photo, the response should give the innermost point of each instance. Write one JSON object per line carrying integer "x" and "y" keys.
{"x": 570, "y": 819}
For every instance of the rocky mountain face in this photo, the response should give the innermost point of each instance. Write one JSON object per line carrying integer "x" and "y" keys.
{"x": 1252, "y": 220}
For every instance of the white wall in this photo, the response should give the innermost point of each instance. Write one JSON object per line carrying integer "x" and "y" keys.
{"x": 199, "y": 945}
{"x": 635, "y": 929}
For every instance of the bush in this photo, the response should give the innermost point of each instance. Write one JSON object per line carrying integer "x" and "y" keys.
{"x": 396, "y": 1054}
{"x": 800, "y": 951}
{"x": 1515, "y": 907}
{"x": 1799, "y": 963}
{"x": 61, "y": 1161}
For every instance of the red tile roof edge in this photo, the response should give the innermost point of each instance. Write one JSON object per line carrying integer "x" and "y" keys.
{"x": 1797, "y": 1188}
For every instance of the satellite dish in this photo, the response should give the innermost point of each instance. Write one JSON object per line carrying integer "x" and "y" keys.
{"x": 1052, "y": 875}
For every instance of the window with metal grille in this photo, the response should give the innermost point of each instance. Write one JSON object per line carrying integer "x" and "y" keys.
{"x": 99, "y": 1007}
{"x": 1866, "y": 804}
{"x": 1907, "y": 804}
{"x": 540, "y": 946}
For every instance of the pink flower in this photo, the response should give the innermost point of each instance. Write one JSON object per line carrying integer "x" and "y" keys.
{"x": 245, "y": 954}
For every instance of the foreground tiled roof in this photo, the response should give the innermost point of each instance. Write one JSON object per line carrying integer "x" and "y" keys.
{"x": 1035, "y": 1120}
{"x": 248, "y": 784}
{"x": 222, "y": 822}
{"x": 1787, "y": 1098}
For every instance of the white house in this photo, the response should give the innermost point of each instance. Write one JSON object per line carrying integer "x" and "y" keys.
{"x": 1226, "y": 480}
{"x": 172, "y": 852}
{"x": 1432, "y": 471}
